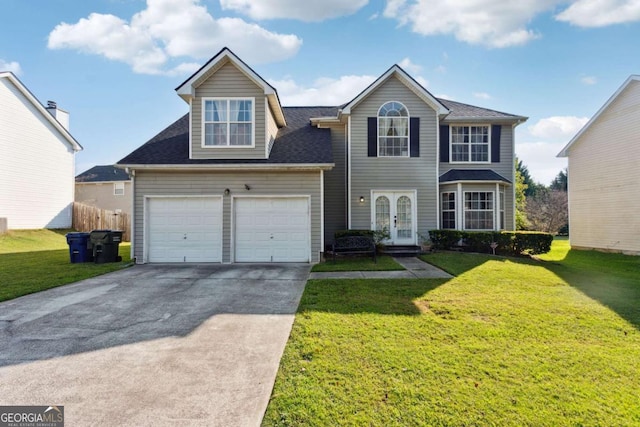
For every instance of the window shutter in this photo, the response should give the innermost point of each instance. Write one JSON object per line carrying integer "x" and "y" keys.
{"x": 495, "y": 143}
{"x": 444, "y": 143}
{"x": 372, "y": 136}
{"x": 414, "y": 132}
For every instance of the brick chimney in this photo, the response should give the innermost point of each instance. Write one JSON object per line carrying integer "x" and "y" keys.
{"x": 61, "y": 116}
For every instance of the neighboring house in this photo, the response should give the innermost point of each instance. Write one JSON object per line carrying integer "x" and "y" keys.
{"x": 105, "y": 187}
{"x": 37, "y": 160}
{"x": 242, "y": 179}
{"x": 604, "y": 175}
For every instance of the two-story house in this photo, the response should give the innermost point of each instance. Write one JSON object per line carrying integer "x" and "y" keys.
{"x": 242, "y": 179}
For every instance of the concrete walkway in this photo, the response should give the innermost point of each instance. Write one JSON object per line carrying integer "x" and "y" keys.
{"x": 415, "y": 268}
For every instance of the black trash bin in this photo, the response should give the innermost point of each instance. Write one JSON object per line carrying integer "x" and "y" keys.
{"x": 105, "y": 245}
{"x": 79, "y": 247}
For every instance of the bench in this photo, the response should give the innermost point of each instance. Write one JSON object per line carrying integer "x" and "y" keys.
{"x": 353, "y": 245}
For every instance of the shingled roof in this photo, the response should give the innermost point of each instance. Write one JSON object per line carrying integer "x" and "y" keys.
{"x": 297, "y": 143}
{"x": 466, "y": 111}
{"x": 103, "y": 173}
{"x": 455, "y": 175}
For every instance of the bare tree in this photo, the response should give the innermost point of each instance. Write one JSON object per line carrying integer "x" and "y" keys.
{"x": 547, "y": 211}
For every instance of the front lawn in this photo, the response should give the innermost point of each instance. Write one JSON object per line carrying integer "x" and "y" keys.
{"x": 35, "y": 260}
{"x": 506, "y": 342}
{"x": 358, "y": 263}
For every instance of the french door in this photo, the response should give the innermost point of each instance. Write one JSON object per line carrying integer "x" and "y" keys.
{"x": 395, "y": 211}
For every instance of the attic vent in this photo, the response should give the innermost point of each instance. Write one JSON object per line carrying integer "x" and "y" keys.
{"x": 52, "y": 104}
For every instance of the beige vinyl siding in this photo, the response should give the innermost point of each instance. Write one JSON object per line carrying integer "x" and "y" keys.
{"x": 505, "y": 168}
{"x": 36, "y": 165}
{"x": 604, "y": 178}
{"x": 228, "y": 82}
{"x": 389, "y": 173}
{"x": 335, "y": 186}
{"x": 272, "y": 129}
{"x": 100, "y": 195}
{"x": 149, "y": 183}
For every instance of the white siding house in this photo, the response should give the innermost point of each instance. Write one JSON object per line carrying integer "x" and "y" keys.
{"x": 604, "y": 176}
{"x": 37, "y": 161}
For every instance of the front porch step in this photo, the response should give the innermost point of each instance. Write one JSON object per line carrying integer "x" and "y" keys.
{"x": 402, "y": 250}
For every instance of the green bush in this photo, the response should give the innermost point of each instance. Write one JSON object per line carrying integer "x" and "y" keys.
{"x": 349, "y": 233}
{"x": 508, "y": 242}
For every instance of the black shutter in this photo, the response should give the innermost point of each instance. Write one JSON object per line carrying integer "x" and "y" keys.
{"x": 372, "y": 136}
{"x": 414, "y": 132}
{"x": 444, "y": 143}
{"x": 495, "y": 143}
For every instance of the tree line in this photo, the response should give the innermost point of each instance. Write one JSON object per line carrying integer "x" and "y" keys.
{"x": 540, "y": 207}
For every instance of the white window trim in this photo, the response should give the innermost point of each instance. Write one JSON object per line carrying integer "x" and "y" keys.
{"x": 458, "y": 162}
{"x": 455, "y": 209}
{"x": 464, "y": 210}
{"x": 228, "y": 98}
{"x": 408, "y": 133}
{"x": 118, "y": 186}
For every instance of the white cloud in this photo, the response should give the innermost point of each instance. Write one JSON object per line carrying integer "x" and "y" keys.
{"x": 323, "y": 91}
{"x": 492, "y": 23}
{"x": 158, "y": 39}
{"x": 600, "y": 13}
{"x": 558, "y": 128}
{"x": 308, "y": 11}
{"x": 540, "y": 158}
{"x": 589, "y": 80}
{"x": 12, "y": 66}
{"x": 410, "y": 67}
{"x": 482, "y": 95}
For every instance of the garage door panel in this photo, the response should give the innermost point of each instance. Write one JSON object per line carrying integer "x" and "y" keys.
{"x": 272, "y": 229}
{"x": 182, "y": 229}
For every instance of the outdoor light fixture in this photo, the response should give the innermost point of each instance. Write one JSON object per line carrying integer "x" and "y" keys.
{"x": 361, "y": 199}
{"x": 247, "y": 186}
{"x": 226, "y": 191}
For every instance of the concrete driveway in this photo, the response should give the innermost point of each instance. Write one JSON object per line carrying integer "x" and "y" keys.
{"x": 152, "y": 345}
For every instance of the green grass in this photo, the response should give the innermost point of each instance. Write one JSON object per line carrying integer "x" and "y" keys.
{"x": 353, "y": 263}
{"x": 35, "y": 260}
{"x": 508, "y": 342}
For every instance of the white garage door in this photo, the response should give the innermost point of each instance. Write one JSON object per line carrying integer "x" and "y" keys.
{"x": 184, "y": 229}
{"x": 272, "y": 229}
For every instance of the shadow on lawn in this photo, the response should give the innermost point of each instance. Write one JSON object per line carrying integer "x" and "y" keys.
{"x": 351, "y": 296}
{"x": 611, "y": 279}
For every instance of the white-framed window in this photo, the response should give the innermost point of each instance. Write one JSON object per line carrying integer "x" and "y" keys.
{"x": 502, "y": 205}
{"x": 478, "y": 210}
{"x": 118, "y": 188}
{"x": 449, "y": 210}
{"x": 228, "y": 122}
{"x": 393, "y": 130}
{"x": 470, "y": 144}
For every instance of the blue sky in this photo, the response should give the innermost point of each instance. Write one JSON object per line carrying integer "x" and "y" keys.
{"x": 114, "y": 64}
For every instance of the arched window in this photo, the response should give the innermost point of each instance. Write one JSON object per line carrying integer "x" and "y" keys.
{"x": 393, "y": 130}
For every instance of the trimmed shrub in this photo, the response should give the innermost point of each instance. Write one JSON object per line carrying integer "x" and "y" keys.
{"x": 514, "y": 243}
{"x": 349, "y": 233}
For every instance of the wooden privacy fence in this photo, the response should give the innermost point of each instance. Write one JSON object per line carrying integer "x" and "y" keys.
{"x": 87, "y": 218}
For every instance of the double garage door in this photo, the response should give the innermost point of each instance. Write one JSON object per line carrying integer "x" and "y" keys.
{"x": 265, "y": 229}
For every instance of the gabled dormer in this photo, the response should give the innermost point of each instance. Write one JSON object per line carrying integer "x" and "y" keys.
{"x": 233, "y": 112}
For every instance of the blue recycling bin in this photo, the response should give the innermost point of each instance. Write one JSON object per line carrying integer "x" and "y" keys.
{"x": 80, "y": 249}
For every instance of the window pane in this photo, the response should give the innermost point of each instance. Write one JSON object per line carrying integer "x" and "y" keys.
{"x": 383, "y": 213}
{"x": 239, "y": 110}
{"x": 215, "y": 111}
{"x": 240, "y": 134}
{"x": 216, "y": 134}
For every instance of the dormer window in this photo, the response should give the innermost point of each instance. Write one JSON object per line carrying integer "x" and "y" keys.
{"x": 228, "y": 122}
{"x": 393, "y": 130}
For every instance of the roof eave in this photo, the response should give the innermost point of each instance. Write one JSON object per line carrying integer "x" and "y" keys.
{"x": 186, "y": 90}
{"x": 34, "y": 101}
{"x": 477, "y": 181}
{"x": 229, "y": 167}
{"x": 565, "y": 151}
{"x": 516, "y": 120}
{"x": 424, "y": 94}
